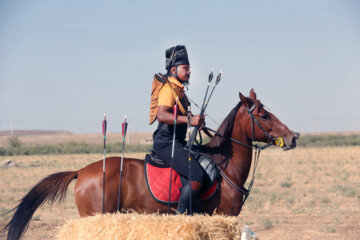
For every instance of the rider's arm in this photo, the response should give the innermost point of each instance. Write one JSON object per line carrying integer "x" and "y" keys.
{"x": 164, "y": 113}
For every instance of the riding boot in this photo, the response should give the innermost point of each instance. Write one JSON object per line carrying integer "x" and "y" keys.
{"x": 184, "y": 202}
{"x": 197, "y": 208}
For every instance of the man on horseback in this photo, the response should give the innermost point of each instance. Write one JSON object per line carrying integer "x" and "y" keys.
{"x": 178, "y": 74}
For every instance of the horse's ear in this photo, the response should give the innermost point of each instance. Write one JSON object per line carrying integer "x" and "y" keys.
{"x": 252, "y": 94}
{"x": 243, "y": 99}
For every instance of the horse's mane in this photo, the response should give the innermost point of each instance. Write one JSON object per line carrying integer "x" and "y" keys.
{"x": 225, "y": 128}
{"x": 218, "y": 143}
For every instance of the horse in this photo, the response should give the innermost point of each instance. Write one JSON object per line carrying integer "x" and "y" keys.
{"x": 231, "y": 149}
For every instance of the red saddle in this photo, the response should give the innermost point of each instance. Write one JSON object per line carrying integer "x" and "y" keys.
{"x": 158, "y": 182}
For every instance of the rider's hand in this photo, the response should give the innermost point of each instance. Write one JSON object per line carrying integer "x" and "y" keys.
{"x": 198, "y": 121}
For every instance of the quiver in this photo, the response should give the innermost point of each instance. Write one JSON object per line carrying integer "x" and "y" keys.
{"x": 157, "y": 84}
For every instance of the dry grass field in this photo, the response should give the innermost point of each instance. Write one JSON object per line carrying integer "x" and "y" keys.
{"x": 306, "y": 193}
{"x": 36, "y": 137}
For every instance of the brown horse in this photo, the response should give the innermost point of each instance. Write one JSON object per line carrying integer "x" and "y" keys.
{"x": 234, "y": 160}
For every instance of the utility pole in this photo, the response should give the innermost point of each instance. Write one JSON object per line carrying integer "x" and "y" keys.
{"x": 314, "y": 124}
{"x": 12, "y": 127}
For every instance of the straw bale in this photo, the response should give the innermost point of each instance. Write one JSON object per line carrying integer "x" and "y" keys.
{"x": 151, "y": 226}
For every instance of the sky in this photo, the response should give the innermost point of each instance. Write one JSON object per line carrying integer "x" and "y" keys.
{"x": 63, "y": 64}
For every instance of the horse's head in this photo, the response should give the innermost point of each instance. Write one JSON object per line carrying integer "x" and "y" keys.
{"x": 265, "y": 126}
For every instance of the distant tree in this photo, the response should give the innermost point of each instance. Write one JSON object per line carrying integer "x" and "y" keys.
{"x": 13, "y": 142}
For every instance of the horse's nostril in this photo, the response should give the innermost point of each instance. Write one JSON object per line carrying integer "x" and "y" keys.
{"x": 296, "y": 134}
{"x": 293, "y": 142}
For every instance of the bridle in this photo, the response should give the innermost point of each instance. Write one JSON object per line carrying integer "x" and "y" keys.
{"x": 257, "y": 149}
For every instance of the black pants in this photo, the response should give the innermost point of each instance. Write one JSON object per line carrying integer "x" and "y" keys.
{"x": 181, "y": 160}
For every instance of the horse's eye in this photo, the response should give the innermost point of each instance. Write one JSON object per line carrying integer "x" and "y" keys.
{"x": 264, "y": 117}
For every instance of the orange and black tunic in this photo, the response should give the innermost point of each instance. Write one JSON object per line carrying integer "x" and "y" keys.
{"x": 164, "y": 134}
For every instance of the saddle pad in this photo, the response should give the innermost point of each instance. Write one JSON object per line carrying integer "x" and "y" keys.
{"x": 158, "y": 182}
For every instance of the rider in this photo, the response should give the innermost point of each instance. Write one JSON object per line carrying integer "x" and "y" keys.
{"x": 178, "y": 73}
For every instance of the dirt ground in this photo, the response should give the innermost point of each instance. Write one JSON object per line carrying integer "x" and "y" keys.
{"x": 306, "y": 193}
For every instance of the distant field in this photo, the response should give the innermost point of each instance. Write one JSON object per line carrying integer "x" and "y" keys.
{"x": 37, "y": 137}
{"x": 305, "y": 193}
{"x": 44, "y": 137}
{"x": 61, "y": 142}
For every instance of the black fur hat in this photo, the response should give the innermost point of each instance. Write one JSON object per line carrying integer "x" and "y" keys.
{"x": 175, "y": 56}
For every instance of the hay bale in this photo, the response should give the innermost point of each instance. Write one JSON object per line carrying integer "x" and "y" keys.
{"x": 151, "y": 226}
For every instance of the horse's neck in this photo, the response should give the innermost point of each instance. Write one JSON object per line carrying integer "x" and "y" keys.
{"x": 240, "y": 161}
{"x": 234, "y": 159}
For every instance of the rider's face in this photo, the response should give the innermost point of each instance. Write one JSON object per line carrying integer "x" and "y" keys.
{"x": 183, "y": 72}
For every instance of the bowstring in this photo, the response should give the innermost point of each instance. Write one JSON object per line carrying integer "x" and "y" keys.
{"x": 206, "y": 114}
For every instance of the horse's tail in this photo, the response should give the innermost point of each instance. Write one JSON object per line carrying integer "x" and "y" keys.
{"x": 50, "y": 189}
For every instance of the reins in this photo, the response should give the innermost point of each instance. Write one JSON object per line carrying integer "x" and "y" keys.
{"x": 258, "y": 149}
